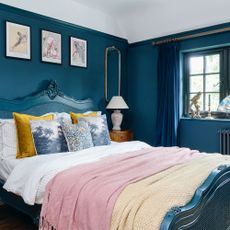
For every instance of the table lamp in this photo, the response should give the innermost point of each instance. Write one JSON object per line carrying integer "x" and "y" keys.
{"x": 117, "y": 103}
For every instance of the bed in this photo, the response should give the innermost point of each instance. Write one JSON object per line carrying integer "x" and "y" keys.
{"x": 209, "y": 207}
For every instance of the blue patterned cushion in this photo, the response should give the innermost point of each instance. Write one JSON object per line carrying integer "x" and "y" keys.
{"x": 78, "y": 136}
{"x": 99, "y": 129}
{"x": 48, "y": 137}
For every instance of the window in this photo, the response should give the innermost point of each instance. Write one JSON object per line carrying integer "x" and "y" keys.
{"x": 206, "y": 72}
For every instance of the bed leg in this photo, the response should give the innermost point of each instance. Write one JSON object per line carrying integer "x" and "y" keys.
{"x": 36, "y": 220}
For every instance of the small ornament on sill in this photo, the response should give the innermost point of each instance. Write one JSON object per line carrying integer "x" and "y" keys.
{"x": 195, "y": 106}
{"x": 224, "y": 105}
{"x": 209, "y": 108}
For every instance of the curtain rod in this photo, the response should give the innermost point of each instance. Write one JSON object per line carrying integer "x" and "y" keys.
{"x": 201, "y": 34}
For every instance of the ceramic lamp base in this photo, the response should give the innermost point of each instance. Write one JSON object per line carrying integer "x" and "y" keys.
{"x": 117, "y": 118}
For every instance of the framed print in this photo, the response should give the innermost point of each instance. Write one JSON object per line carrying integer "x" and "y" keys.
{"x": 51, "y": 47}
{"x": 78, "y": 52}
{"x": 18, "y": 41}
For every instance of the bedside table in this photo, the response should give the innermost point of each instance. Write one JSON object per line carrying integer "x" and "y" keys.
{"x": 121, "y": 136}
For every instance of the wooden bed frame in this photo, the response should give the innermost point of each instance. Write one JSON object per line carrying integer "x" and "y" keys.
{"x": 209, "y": 208}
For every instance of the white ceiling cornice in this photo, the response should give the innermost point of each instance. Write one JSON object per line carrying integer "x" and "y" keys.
{"x": 72, "y": 12}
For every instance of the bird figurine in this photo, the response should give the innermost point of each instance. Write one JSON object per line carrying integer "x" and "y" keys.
{"x": 195, "y": 103}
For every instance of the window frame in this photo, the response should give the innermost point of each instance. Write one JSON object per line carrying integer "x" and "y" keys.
{"x": 224, "y": 53}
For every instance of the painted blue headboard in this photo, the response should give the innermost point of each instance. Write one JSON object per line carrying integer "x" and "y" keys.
{"x": 49, "y": 100}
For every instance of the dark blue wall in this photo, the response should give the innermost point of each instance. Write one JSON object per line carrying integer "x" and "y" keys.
{"x": 142, "y": 91}
{"x": 142, "y": 95}
{"x": 20, "y": 77}
{"x": 139, "y": 75}
{"x": 201, "y": 134}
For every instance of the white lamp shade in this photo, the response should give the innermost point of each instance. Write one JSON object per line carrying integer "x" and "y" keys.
{"x": 117, "y": 102}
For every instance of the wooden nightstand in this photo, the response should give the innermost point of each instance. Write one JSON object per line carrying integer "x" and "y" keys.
{"x": 121, "y": 136}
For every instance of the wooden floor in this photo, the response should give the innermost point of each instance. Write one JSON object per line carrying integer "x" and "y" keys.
{"x": 13, "y": 220}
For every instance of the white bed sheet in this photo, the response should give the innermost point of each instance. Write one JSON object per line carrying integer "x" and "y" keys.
{"x": 6, "y": 167}
{"x": 29, "y": 178}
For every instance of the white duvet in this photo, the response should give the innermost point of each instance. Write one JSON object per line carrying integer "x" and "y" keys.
{"x": 30, "y": 177}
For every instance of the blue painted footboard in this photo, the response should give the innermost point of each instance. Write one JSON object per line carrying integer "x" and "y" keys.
{"x": 209, "y": 208}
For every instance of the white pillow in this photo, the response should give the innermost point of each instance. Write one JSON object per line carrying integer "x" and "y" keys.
{"x": 8, "y": 138}
{"x": 1, "y": 141}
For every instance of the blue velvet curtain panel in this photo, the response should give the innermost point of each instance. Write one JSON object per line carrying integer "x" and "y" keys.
{"x": 168, "y": 94}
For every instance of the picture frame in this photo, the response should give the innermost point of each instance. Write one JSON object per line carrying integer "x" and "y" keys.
{"x": 18, "y": 41}
{"x": 78, "y": 52}
{"x": 51, "y": 47}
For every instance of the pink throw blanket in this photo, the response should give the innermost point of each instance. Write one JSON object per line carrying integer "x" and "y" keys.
{"x": 83, "y": 197}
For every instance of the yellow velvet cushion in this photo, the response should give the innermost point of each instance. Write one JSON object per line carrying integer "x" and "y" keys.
{"x": 75, "y": 116}
{"x": 25, "y": 145}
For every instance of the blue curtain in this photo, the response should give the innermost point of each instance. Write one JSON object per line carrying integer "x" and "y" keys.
{"x": 168, "y": 95}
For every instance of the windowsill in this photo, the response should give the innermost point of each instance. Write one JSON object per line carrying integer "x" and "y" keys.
{"x": 216, "y": 116}
{"x": 205, "y": 119}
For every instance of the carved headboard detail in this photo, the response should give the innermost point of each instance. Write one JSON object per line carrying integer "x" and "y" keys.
{"x": 53, "y": 90}
{"x": 48, "y": 100}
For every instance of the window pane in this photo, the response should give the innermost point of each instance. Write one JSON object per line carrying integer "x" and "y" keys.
{"x": 212, "y": 83}
{"x": 196, "y": 65}
{"x": 196, "y": 84}
{"x": 214, "y": 101}
{"x": 212, "y": 63}
{"x": 200, "y": 101}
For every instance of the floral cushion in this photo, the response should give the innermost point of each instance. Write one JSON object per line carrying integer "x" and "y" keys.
{"x": 78, "y": 136}
{"x": 99, "y": 129}
{"x": 48, "y": 137}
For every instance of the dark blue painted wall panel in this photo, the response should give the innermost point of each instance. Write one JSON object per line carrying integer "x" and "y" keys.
{"x": 202, "y": 134}
{"x": 139, "y": 75}
{"x": 142, "y": 96}
{"x": 20, "y": 77}
{"x": 142, "y": 91}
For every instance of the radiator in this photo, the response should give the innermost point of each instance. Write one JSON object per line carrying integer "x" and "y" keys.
{"x": 224, "y": 141}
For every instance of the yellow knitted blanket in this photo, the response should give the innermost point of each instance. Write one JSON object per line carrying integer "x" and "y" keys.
{"x": 143, "y": 205}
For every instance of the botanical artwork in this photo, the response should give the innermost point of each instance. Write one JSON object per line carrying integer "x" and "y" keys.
{"x": 48, "y": 137}
{"x": 51, "y": 47}
{"x": 17, "y": 41}
{"x": 99, "y": 129}
{"x": 78, "y": 52}
{"x": 78, "y": 136}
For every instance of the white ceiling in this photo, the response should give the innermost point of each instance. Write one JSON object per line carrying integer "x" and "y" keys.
{"x": 165, "y": 17}
{"x": 135, "y": 20}
{"x": 145, "y": 19}
{"x": 73, "y": 12}
{"x": 117, "y": 6}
